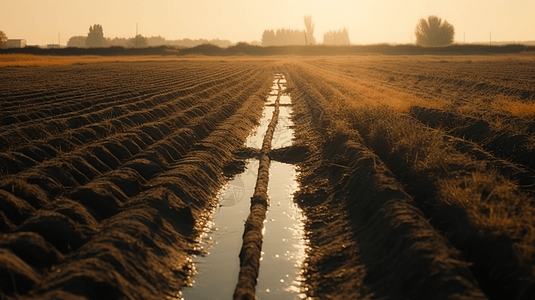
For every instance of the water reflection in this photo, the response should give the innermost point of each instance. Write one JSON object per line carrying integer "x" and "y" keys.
{"x": 284, "y": 244}
{"x": 217, "y": 270}
{"x": 257, "y": 137}
{"x": 284, "y": 133}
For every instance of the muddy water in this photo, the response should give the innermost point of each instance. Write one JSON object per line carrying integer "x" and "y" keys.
{"x": 283, "y": 242}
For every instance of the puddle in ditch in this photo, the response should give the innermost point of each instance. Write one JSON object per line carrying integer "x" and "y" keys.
{"x": 218, "y": 269}
{"x": 283, "y": 135}
{"x": 255, "y": 139}
{"x": 283, "y": 242}
{"x": 271, "y": 100}
{"x": 285, "y": 100}
{"x": 283, "y": 248}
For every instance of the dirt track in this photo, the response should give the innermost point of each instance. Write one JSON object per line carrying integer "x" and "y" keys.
{"x": 105, "y": 187}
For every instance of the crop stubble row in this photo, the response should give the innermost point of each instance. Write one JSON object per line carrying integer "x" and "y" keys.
{"x": 394, "y": 252}
{"x": 475, "y": 218}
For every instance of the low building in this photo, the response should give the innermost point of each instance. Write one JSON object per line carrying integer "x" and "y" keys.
{"x": 52, "y": 46}
{"x": 21, "y": 43}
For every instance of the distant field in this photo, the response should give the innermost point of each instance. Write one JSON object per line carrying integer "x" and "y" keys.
{"x": 27, "y": 60}
{"x": 417, "y": 172}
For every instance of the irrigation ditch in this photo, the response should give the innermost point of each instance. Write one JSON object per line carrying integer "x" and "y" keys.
{"x": 272, "y": 239}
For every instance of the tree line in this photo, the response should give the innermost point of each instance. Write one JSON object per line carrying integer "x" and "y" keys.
{"x": 430, "y": 32}
{"x": 336, "y": 38}
{"x": 284, "y": 37}
{"x": 95, "y": 39}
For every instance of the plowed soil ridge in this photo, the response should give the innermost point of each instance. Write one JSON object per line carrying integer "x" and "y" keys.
{"x": 251, "y": 249}
{"x": 117, "y": 216}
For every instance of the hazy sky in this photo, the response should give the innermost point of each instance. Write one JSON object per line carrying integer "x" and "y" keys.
{"x": 368, "y": 21}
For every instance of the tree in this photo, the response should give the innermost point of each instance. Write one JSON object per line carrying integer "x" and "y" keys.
{"x": 157, "y": 41}
{"x": 77, "y": 41}
{"x": 309, "y": 28}
{"x": 268, "y": 38}
{"x": 433, "y": 32}
{"x": 283, "y": 37}
{"x": 118, "y": 42}
{"x": 95, "y": 37}
{"x": 336, "y": 38}
{"x": 3, "y": 39}
{"x": 139, "y": 42}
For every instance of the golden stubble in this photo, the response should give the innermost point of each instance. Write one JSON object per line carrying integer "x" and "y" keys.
{"x": 27, "y": 60}
{"x": 370, "y": 93}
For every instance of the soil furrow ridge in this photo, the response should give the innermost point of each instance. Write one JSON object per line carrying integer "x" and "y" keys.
{"x": 252, "y": 237}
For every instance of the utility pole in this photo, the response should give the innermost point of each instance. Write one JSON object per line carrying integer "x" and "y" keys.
{"x": 136, "y": 28}
{"x": 490, "y": 38}
{"x": 464, "y": 37}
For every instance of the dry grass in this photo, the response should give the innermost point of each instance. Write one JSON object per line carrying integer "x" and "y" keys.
{"x": 392, "y": 132}
{"x": 492, "y": 202}
{"x": 505, "y": 104}
{"x": 494, "y": 206}
{"x": 514, "y": 106}
{"x": 469, "y": 200}
{"x": 432, "y": 81}
{"x": 510, "y": 107}
{"x": 466, "y": 199}
{"x": 368, "y": 93}
{"x": 26, "y": 60}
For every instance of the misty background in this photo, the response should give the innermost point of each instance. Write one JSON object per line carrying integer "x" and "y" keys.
{"x": 42, "y": 22}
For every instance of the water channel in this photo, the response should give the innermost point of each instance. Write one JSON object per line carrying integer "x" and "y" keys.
{"x": 283, "y": 248}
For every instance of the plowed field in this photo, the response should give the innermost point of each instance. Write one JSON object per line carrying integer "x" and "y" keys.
{"x": 416, "y": 176}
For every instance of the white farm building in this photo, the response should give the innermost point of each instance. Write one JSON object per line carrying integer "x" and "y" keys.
{"x": 16, "y": 43}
